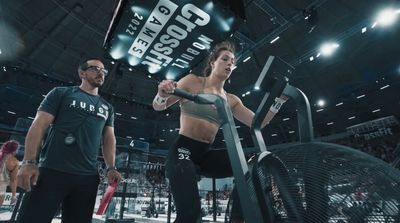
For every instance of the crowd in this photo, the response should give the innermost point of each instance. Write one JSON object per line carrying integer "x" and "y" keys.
{"x": 386, "y": 148}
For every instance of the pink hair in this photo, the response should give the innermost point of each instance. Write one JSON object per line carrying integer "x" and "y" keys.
{"x": 8, "y": 147}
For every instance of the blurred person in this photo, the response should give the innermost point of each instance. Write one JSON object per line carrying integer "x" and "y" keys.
{"x": 80, "y": 121}
{"x": 8, "y": 170}
{"x": 199, "y": 125}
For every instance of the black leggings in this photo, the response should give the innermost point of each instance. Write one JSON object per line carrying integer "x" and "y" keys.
{"x": 187, "y": 158}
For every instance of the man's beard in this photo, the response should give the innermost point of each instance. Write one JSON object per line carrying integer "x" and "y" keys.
{"x": 94, "y": 82}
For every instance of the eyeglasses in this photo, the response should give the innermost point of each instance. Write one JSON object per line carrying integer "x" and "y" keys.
{"x": 98, "y": 70}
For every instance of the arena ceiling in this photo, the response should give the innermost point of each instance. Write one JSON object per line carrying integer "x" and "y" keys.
{"x": 41, "y": 42}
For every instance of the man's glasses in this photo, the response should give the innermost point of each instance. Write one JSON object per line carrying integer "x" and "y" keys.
{"x": 98, "y": 70}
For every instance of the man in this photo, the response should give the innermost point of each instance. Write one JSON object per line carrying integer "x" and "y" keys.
{"x": 80, "y": 120}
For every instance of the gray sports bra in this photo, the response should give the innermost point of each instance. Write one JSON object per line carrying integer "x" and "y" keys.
{"x": 202, "y": 111}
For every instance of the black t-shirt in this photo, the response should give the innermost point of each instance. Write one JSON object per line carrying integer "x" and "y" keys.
{"x": 84, "y": 116}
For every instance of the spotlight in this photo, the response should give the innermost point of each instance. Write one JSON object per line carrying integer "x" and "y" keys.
{"x": 321, "y": 103}
{"x": 327, "y": 49}
{"x": 387, "y": 17}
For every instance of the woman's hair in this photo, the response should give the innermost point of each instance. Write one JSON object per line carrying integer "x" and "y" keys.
{"x": 8, "y": 147}
{"x": 225, "y": 45}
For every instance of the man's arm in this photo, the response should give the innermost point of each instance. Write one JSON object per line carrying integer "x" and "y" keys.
{"x": 28, "y": 173}
{"x": 35, "y": 134}
{"x": 109, "y": 150}
{"x": 109, "y": 146}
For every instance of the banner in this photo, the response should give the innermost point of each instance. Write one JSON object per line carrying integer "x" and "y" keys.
{"x": 375, "y": 128}
{"x": 167, "y": 38}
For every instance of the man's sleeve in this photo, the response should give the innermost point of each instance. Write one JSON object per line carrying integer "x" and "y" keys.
{"x": 52, "y": 101}
{"x": 110, "y": 119}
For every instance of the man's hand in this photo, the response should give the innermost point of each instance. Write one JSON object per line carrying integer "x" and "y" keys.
{"x": 113, "y": 176}
{"x": 27, "y": 176}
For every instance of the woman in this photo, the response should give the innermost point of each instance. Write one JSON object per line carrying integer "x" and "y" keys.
{"x": 8, "y": 170}
{"x": 199, "y": 125}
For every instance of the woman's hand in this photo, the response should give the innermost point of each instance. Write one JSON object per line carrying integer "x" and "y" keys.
{"x": 166, "y": 88}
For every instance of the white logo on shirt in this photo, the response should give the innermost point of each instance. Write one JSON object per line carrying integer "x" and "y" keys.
{"x": 102, "y": 110}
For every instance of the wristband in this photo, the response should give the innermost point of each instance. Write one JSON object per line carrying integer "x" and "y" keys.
{"x": 28, "y": 162}
{"x": 277, "y": 105}
{"x": 111, "y": 168}
{"x": 159, "y": 100}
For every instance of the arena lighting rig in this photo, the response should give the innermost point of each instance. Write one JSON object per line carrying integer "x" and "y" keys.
{"x": 167, "y": 38}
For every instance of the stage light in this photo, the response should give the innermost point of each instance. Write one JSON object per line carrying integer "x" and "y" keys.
{"x": 360, "y": 96}
{"x": 274, "y": 40}
{"x": 117, "y": 53}
{"x": 311, "y": 17}
{"x": 321, "y": 103}
{"x": 225, "y": 24}
{"x": 387, "y": 17}
{"x": 363, "y": 30}
{"x": 133, "y": 61}
{"x": 140, "y": 10}
{"x": 209, "y": 6}
{"x": 327, "y": 49}
{"x": 245, "y": 60}
{"x": 153, "y": 69}
{"x": 170, "y": 76}
{"x": 386, "y": 86}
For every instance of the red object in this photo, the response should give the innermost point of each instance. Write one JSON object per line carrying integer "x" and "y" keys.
{"x": 107, "y": 198}
{"x": 10, "y": 146}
